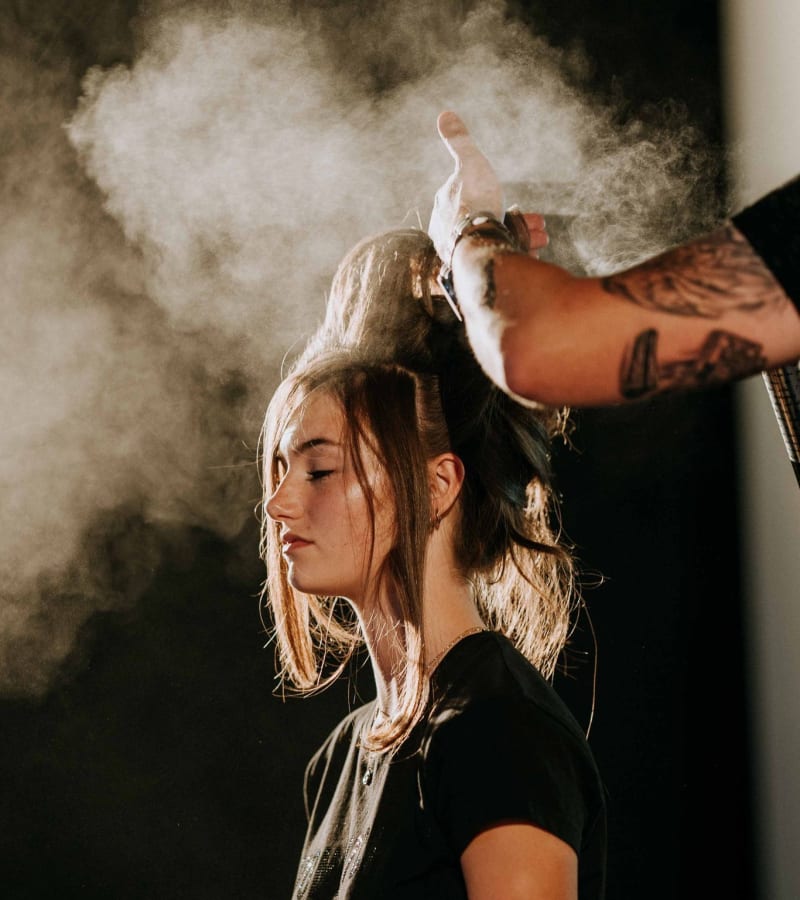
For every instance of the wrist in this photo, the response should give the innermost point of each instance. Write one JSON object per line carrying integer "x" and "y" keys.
{"x": 482, "y": 229}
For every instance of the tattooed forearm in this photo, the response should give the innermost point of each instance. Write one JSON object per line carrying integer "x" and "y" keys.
{"x": 723, "y": 357}
{"x": 639, "y": 374}
{"x": 706, "y": 278}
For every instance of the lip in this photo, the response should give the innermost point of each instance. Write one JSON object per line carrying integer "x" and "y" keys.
{"x": 292, "y": 542}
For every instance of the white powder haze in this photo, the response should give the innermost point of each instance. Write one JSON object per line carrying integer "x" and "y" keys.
{"x": 147, "y": 310}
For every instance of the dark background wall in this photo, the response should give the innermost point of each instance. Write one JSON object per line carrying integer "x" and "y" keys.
{"x": 158, "y": 762}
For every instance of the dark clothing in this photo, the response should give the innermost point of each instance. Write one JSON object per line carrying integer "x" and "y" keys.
{"x": 497, "y": 746}
{"x": 772, "y": 226}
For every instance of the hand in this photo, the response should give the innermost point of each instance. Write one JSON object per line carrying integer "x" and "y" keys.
{"x": 472, "y": 188}
{"x": 538, "y": 234}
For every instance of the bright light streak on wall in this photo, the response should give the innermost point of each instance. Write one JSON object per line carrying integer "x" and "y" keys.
{"x": 762, "y": 79}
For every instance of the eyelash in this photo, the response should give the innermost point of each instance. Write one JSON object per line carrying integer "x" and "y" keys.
{"x": 319, "y": 474}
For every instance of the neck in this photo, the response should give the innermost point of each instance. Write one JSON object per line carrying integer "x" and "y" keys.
{"x": 386, "y": 642}
{"x": 448, "y": 611}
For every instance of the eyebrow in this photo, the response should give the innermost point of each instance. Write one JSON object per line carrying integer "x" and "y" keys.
{"x": 310, "y": 444}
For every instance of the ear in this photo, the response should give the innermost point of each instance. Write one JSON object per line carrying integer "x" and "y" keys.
{"x": 445, "y": 476}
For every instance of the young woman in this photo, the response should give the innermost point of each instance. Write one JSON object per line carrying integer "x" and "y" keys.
{"x": 408, "y": 507}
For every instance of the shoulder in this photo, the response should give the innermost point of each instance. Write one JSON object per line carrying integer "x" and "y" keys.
{"x": 486, "y": 675}
{"x": 771, "y": 228}
{"x": 346, "y": 730}
{"x": 502, "y": 746}
{"x": 330, "y": 758}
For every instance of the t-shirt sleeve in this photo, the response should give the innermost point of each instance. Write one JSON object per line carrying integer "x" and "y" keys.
{"x": 319, "y": 764}
{"x": 772, "y": 227}
{"x": 311, "y": 782}
{"x": 510, "y": 761}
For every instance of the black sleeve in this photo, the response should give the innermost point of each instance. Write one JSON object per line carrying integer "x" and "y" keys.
{"x": 326, "y": 765}
{"x": 311, "y": 782}
{"x": 319, "y": 766}
{"x": 772, "y": 226}
{"x": 510, "y": 761}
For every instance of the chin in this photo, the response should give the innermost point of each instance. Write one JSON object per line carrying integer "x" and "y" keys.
{"x": 310, "y": 585}
{"x": 305, "y": 587}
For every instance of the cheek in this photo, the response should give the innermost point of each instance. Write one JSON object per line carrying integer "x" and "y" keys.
{"x": 356, "y": 521}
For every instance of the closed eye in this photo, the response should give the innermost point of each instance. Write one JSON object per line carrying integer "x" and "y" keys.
{"x": 318, "y": 474}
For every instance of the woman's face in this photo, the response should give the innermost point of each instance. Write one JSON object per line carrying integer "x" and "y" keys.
{"x": 322, "y": 508}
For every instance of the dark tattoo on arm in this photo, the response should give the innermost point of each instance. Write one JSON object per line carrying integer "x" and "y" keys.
{"x": 639, "y": 375}
{"x": 705, "y": 278}
{"x": 723, "y": 357}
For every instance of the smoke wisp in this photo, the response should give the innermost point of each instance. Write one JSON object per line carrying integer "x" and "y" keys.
{"x": 170, "y": 236}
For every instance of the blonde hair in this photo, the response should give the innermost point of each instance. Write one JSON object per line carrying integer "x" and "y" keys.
{"x": 507, "y": 540}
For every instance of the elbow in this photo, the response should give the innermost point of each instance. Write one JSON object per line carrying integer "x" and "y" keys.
{"x": 517, "y": 380}
{"x": 524, "y": 370}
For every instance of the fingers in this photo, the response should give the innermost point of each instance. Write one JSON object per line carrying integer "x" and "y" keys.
{"x": 539, "y": 240}
{"x": 455, "y": 136}
{"x": 450, "y": 125}
{"x": 536, "y": 229}
{"x": 534, "y": 221}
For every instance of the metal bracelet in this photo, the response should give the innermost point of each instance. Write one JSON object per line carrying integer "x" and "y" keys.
{"x": 511, "y": 232}
{"x": 472, "y": 224}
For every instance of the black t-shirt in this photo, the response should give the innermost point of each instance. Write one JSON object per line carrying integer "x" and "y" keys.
{"x": 772, "y": 226}
{"x": 497, "y": 745}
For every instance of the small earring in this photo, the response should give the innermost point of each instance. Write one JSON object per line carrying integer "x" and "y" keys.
{"x": 436, "y": 520}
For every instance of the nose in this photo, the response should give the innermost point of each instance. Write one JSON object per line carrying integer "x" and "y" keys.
{"x": 283, "y": 504}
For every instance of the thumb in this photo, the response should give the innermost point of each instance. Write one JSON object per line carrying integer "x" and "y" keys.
{"x": 455, "y": 136}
